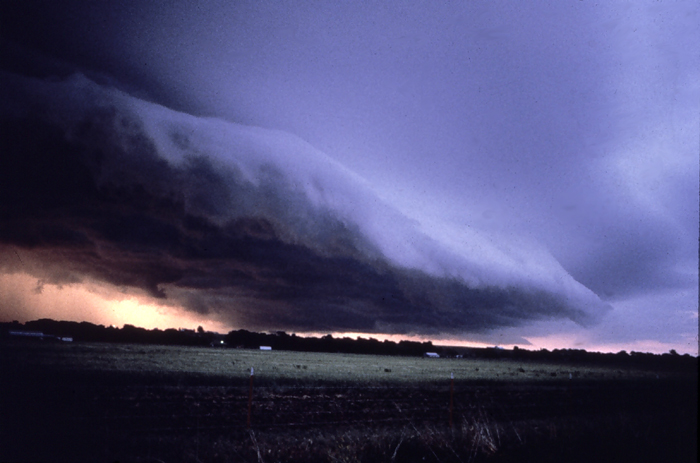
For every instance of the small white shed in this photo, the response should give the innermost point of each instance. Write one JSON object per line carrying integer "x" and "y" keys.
{"x": 434, "y": 355}
{"x": 265, "y": 348}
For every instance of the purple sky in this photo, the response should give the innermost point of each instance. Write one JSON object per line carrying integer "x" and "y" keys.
{"x": 509, "y": 173}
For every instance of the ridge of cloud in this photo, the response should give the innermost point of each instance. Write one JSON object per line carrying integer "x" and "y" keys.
{"x": 251, "y": 223}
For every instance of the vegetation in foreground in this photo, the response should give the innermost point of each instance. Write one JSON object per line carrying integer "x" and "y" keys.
{"x": 141, "y": 403}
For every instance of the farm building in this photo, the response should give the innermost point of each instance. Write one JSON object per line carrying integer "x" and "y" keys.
{"x": 432, "y": 355}
{"x": 265, "y": 348}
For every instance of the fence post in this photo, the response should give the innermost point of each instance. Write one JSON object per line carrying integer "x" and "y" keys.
{"x": 452, "y": 393}
{"x": 250, "y": 395}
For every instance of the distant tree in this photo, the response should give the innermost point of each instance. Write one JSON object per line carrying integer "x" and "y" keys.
{"x": 200, "y": 330}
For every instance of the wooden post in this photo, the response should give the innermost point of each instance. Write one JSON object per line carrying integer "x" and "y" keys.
{"x": 452, "y": 393}
{"x": 250, "y": 395}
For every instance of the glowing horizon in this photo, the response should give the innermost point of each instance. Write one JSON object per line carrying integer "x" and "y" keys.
{"x": 103, "y": 304}
{"x": 488, "y": 174}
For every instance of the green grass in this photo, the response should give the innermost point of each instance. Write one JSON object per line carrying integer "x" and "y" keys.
{"x": 297, "y": 366}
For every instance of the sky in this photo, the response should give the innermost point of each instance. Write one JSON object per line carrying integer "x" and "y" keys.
{"x": 500, "y": 173}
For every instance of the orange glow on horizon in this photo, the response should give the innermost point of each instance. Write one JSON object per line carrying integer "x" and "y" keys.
{"x": 27, "y": 299}
{"x": 24, "y": 298}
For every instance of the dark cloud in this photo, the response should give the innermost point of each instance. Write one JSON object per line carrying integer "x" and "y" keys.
{"x": 526, "y": 156}
{"x": 87, "y": 189}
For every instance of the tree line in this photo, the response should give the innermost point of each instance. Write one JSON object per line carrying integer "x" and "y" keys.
{"x": 280, "y": 340}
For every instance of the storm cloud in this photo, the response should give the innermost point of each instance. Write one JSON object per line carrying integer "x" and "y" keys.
{"x": 253, "y": 224}
{"x": 472, "y": 171}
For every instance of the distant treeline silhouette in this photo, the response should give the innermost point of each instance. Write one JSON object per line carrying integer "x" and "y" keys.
{"x": 89, "y": 332}
{"x": 283, "y": 341}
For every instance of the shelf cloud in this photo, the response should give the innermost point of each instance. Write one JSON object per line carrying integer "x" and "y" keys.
{"x": 253, "y": 225}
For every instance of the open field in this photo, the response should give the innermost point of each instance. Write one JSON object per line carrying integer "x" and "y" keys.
{"x": 285, "y": 366}
{"x": 108, "y": 402}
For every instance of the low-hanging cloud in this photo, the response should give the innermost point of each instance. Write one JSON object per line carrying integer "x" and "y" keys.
{"x": 251, "y": 224}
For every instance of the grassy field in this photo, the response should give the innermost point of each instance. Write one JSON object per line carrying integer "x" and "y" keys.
{"x": 300, "y": 366}
{"x": 142, "y": 403}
